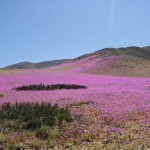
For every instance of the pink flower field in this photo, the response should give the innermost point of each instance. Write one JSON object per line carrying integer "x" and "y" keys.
{"x": 114, "y": 111}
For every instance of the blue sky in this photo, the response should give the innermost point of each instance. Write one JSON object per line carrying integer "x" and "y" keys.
{"x": 37, "y": 30}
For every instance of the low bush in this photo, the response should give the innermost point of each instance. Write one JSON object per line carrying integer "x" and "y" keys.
{"x": 43, "y": 133}
{"x": 49, "y": 87}
{"x": 33, "y": 124}
{"x": 34, "y": 115}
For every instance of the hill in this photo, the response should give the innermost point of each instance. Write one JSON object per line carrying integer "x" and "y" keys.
{"x": 39, "y": 65}
{"x": 126, "y": 61}
{"x": 129, "y": 61}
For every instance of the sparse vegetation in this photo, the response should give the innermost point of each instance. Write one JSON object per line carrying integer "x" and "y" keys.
{"x": 49, "y": 87}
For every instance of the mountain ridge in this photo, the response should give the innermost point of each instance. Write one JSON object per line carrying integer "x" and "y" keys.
{"x": 38, "y": 65}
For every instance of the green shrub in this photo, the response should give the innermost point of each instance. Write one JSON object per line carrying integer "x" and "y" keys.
{"x": 41, "y": 86}
{"x": 33, "y": 124}
{"x": 43, "y": 133}
{"x": 34, "y": 115}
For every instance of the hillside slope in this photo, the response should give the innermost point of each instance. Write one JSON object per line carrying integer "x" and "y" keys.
{"x": 130, "y": 61}
{"x": 39, "y": 65}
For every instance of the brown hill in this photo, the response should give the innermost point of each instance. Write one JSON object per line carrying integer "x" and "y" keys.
{"x": 130, "y": 61}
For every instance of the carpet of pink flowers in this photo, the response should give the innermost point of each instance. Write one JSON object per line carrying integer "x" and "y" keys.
{"x": 115, "y": 113}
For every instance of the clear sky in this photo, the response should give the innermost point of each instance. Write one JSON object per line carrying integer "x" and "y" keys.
{"x": 37, "y": 30}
